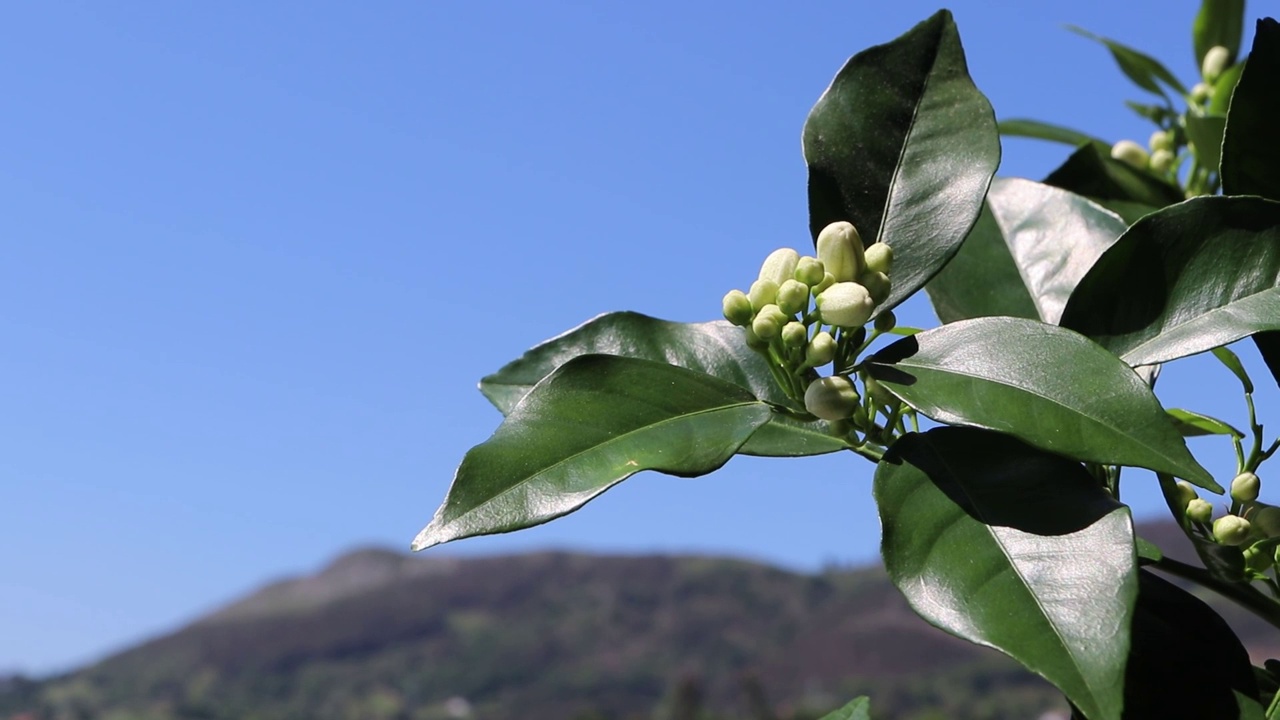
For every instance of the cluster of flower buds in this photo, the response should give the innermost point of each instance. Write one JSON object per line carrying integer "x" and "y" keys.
{"x": 804, "y": 313}
{"x": 1250, "y": 525}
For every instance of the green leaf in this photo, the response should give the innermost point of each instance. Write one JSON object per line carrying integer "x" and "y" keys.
{"x": 1251, "y": 148}
{"x": 1021, "y": 127}
{"x": 1206, "y": 132}
{"x": 1220, "y": 101}
{"x": 1225, "y": 561}
{"x": 1031, "y": 246}
{"x": 1014, "y": 548}
{"x": 1130, "y": 212}
{"x": 856, "y": 709}
{"x": 1092, "y": 172}
{"x": 1219, "y": 22}
{"x": 1157, "y": 114}
{"x": 1147, "y": 551}
{"x": 1193, "y": 424}
{"x": 1139, "y": 67}
{"x": 1184, "y": 280}
{"x": 714, "y": 348}
{"x": 1232, "y": 363}
{"x": 903, "y": 146}
{"x": 1269, "y": 347}
{"x": 1185, "y": 661}
{"x": 1045, "y": 385}
{"x": 595, "y": 421}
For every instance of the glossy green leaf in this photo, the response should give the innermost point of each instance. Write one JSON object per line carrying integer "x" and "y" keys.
{"x": 1014, "y": 548}
{"x": 1224, "y": 561}
{"x": 1185, "y": 662}
{"x": 1148, "y": 552}
{"x": 1184, "y": 280}
{"x": 903, "y": 146}
{"x": 1092, "y": 172}
{"x": 1194, "y": 424}
{"x": 1048, "y": 386}
{"x": 1031, "y": 246}
{"x": 593, "y": 422}
{"x": 1021, "y": 127}
{"x": 1145, "y": 71}
{"x": 1205, "y": 132}
{"x": 1232, "y": 362}
{"x": 1269, "y": 347}
{"x": 714, "y": 348}
{"x": 1130, "y": 212}
{"x": 1251, "y": 149}
{"x": 856, "y": 709}
{"x": 1219, "y": 22}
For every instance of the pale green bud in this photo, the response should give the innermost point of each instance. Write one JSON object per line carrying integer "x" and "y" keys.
{"x": 780, "y": 266}
{"x": 1215, "y": 61}
{"x": 1258, "y": 560}
{"x": 754, "y": 341}
{"x": 1199, "y": 510}
{"x": 793, "y": 296}
{"x": 737, "y": 308}
{"x": 1231, "y": 530}
{"x": 1245, "y": 487}
{"x": 1183, "y": 493}
{"x": 810, "y": 270}
{"x": 1162, "y": 160}
{"x": 769, "y": 321}
{"x": 1161, "y": 140}
{"x": 840, "y": 250}
{"x": 877, "y": 285}
{"x": 1200, "y": 93}
{"x": 762, "y": 292}
{"x": 827, "y": 281}
{"x": 845, "y": 304}
{"x": 795, "y": 335}
{"x": 1130, "y": 153}
{"x": 821, "y": 350}
{"x": 831, "y": 398}
{"x": 879, "y": 258}
{"x": 886, "y": 322}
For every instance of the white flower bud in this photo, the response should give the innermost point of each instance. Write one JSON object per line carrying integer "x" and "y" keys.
{"x": 821, "y": 350}
{"x": 793, "y": 296}
{"x": 768, "y": 322}
{"x": 879, "y": 258}
{"x": 1215, "y": 61}
{"x": 780, "y": 266}
{"x": 845, "y": 304}
{"x": 1200, "y": 93}
{"x": 762, "y": 292}
{"x": 810, "y": 271}
{"x": 737, "y": 308}
{"x": 1130, "y": 153}
{"x": 831, "y": 398}
{"x": 1162, "y": 160}
{"x": 1245, "y": 487}
{"x": 1231, "y": 530}
{"x": 1161, "y": 140}
{"x": 840, "y": 250}
{"x": 877, "y": 285}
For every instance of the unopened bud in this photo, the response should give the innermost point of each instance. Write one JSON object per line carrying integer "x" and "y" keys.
{"x": 1231, "y": 530}
{"x": 827, "y": 281}
{"x": 780, "y": 266}
{"x": 831, "y": 398}
{"x": 1130, "y": 153}
{"x": 1245, "y": 487}
{"x": 879, "y": 258}
{"x": 821, "y": 350}
{"x": 877, "y": 285}
{"x": 1200, "y": 511}
{"x": 840, "y": 250}
{"x": 795, "y": 335}
{"x": 737, "y": 308}
{"x": 1259, "y": 560}
{"x": 886, "y": 322}
{"x": 1215, "y": 61}
{"x": 1162, "y": 161}
{"x": 1183, "y": 493}
{"x": 810, "y": 270}
{"x": 793, "y": 296}
{"x": 1200, "y": 93}
{"x": 754, "y": 341}
{"x": 1161, "y": 140}
{"x": 845, "y": 304}
{"x": 768, "y": 322}
{"x": 762, "y": 292}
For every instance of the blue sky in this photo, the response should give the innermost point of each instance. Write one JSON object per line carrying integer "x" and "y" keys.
{"x": 258, "y": 254}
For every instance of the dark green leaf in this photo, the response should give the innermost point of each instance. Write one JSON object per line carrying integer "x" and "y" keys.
{"x": 1130, "y": 212}
{"x": 1232, "y": 363}
{"x": 1224, "y": 561}
{"x": 1046, "y": 385}
{"x": 1031, "y": 246}
{"x": 1185, "y": 661}
{"x": 1269, "y": 347}
{"x": 1008, "y": 546}
{"x": 1219, "y": 22}
{"x": 1020, "y": 127}
{"x": 857, "y": 709}
{"x": 1157, "y": 114}
{"x": 1193, "y": 424}
{"x": 715, "y": 348}
{"x": 1147, "y": 551}
{"x": 903, "y": 146}
{"x": 595, "y": 421}
{"x": 1092, "y": 172}
{"x": 1251, "y": 149}
{"x": 1184, "y": 280}
{"x": 1205, "y": 132}
{"x": 1141, "y": 68}
{"x": 1220, "y": 100}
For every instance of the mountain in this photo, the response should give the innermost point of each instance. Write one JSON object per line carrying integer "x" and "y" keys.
{"x": 378, "y": 635}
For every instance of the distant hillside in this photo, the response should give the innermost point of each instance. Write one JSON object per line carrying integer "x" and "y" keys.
{"x": 550, "y": 636}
